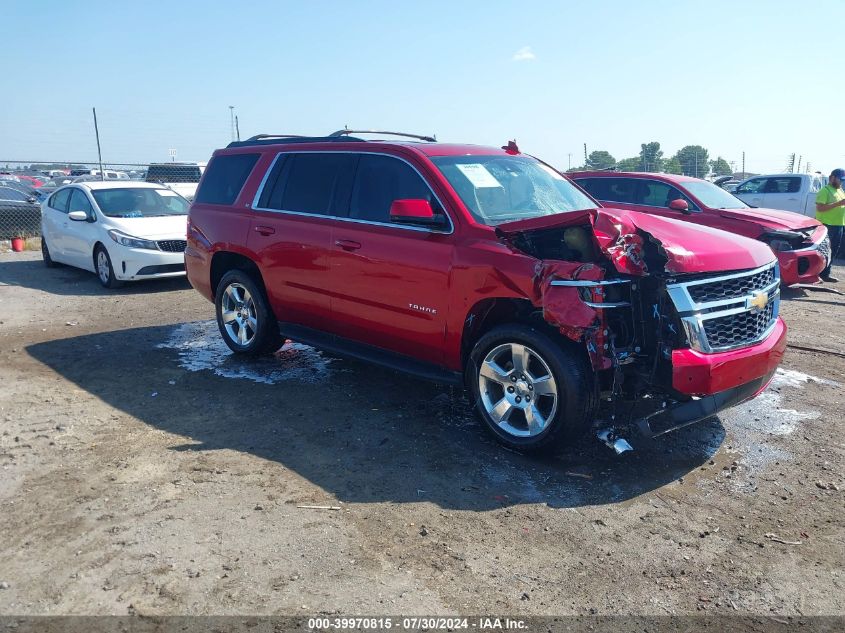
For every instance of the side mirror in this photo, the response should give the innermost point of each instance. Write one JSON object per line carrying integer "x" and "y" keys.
{"x": 78, "y": 216}
{"x": 32, "y": 199}
{"x": 679, "y": 205}
{"x": 418, "y": 212}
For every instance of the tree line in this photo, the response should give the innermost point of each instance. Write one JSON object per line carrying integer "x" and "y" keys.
{"x": 690, "y": 160}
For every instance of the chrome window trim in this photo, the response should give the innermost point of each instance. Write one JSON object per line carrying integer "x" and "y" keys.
{"x": 254, "y": 206}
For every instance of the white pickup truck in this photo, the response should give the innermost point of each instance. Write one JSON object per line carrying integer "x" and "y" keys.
{"x": 789, "y": 192}
{"x": 182, "y": 178}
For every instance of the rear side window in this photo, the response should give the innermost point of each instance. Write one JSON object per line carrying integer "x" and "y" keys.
{"x": 225, "y": 177}
{"x": 309, "y": 183}
{"x": 651, "y": 193}
{"x": 596, "y": 187}
{"x": 611, "y": 189}
{"x": 58, "y": 201}
{"x": 784, "y": 184}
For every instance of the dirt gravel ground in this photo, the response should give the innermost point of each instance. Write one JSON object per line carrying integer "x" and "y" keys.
{"x": 144, "y": 470}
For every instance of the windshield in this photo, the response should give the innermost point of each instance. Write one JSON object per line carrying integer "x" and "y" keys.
{"x": 140, "y": 202}
{"x": 499, "y": 189}
{"x": 714, "y": 197}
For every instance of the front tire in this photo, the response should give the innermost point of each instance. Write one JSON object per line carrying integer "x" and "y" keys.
{"x": 531, "y": 393}
{"x": 244, "y": 317}
{"x": 105, "y": 270}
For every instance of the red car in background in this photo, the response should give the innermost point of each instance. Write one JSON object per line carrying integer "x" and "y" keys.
{"x": 800, "y": 243}
{"x": 32, "y": 181}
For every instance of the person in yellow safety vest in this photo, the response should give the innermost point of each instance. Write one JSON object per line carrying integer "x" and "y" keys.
{"x": 830, "y": 211}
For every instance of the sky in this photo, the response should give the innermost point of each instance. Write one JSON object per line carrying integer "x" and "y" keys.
{"x": 760, "y": 77}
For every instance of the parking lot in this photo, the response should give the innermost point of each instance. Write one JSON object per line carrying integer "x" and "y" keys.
{"x": 145, "y": 470}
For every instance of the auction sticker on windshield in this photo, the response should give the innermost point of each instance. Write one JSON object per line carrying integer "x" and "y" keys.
{"x": 478, "y": 175}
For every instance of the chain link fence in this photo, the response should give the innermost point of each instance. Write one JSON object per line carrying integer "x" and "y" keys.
{"x": 25, "y": 185}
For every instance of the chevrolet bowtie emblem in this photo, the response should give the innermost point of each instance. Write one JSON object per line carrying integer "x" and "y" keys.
{"x": 759, "y": 301}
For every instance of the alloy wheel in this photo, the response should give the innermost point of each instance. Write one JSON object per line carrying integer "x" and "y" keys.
{"x": 518, "y": 390}
{"x": 103, "y": 269}
{"x": 239, "y": 315}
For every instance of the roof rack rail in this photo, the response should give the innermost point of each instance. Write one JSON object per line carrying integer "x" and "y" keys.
{"x": 344, "y": 132}
{"x": 259, "y": 137}
{"x": 277, "y": 139}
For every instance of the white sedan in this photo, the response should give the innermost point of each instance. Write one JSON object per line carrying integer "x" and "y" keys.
{"x": 120, "y": 230}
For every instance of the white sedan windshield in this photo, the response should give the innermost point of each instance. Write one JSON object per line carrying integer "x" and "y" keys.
{"x": 140, "y": 202}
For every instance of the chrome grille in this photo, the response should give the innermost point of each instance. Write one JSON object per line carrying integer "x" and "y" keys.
{"x": 727, "y": 312}
{"x": 824, "y": 248}
{"x": 737, "y": 330}
{"x": 172, "y": 246}
{"x": 732, "y": 287}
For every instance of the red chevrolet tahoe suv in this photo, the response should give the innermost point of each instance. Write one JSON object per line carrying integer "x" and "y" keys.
{"x": 800, "y": 243}
{"x": 484, "y": 267}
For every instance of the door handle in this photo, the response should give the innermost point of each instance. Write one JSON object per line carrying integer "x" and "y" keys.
{"x": 348, "y": 245}
{"x": 265, "y": 230}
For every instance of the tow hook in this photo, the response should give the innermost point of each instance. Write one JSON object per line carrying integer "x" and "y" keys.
{"x": 610, "y": 439}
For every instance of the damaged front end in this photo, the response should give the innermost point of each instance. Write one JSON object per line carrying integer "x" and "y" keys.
{"x": 651, "y": 312}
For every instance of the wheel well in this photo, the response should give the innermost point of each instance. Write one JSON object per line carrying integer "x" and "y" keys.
{"x": 223, "y": 262}
{"x": 489, "y": 313}
{"x": 94, "y": 253}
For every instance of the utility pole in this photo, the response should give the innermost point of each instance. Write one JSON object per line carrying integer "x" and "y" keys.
{"x": 237, "y": 128}
{"x": 569, "y": 161}
{"x": 99, "y": 153}
{"x": 798, "y": 169}
{"x": 585, "y": 155}
{"x": 232, "y": 121}
{"x": 695, "y": 175}
{"x": 743, "y": 164}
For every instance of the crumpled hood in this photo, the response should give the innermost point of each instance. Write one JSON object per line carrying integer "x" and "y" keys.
{"x": 688, "y": 248}
{"x": 170, "y": 226}
{"x": 771, "y": 218}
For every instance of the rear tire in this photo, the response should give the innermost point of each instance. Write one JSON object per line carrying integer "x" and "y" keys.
{"x": 531, "y": 393}
{"x": 45, "y": 254}
{"x": 104, "y": 268}
{"x": 246, "y": 322}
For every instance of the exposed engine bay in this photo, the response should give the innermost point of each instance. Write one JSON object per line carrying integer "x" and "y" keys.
{"x": 606, "y": 285}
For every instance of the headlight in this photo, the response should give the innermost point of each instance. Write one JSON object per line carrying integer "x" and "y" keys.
{"x": 132, "y": 242}
{"x": 782, "y": 240}
{"x": 780, "y": 245}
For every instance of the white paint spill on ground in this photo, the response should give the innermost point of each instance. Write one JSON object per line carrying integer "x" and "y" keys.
{"x": 754, "y": 425}
{"x": 792, "y": 378}
{"x": 201, "y": 347}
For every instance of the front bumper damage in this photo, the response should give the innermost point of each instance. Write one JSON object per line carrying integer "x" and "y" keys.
{"x": 656, "y": 370}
